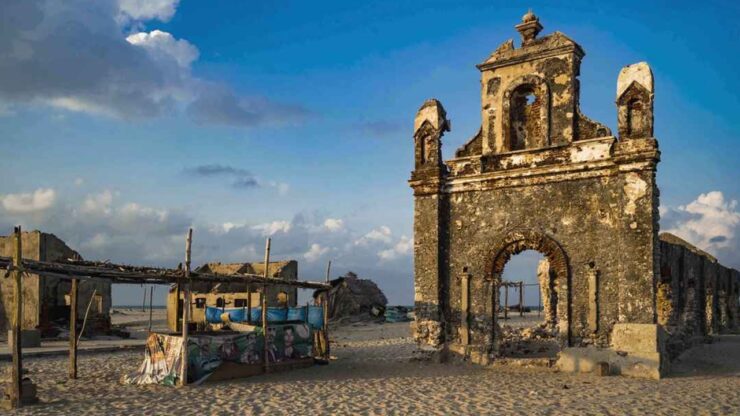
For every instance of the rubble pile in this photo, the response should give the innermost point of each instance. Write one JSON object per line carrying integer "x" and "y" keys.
{"x": 353, "y": 299}
{"x": 531, "y": 341}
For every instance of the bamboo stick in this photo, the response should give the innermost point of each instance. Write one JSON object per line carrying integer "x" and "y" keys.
{"x": 87, "y": 311}
{"x": 186, "y": 310}
{"x": 151, "y": 297}
{"x": 73, "y": 329}
{"x": 264, "y": 305}
{"x": 16, "y": 372}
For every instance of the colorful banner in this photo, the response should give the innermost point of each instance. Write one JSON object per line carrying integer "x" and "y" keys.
{"x": 206, "y": 353}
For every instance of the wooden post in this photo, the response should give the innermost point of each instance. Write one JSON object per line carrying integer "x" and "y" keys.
{"x": 186, "y": 311}
{"x": 16, "y": 372}
{"x": 249, "y": 303}
{"x": 327, "y": 349}
{"x": 539, "y": 299}
{"x": 521, "y": 298}
{"x": 143, "y": 300}
{"x": 151, "y": 296}
{"x": 328, "y": 272}
{"x": 264, "y": 305}
{"x": 506, "y": 301}
{"x": 178, "y": 302}
{"x": 73, "y": 329}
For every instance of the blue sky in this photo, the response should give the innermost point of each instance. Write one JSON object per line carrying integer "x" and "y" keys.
{"x": 124, "y": 122}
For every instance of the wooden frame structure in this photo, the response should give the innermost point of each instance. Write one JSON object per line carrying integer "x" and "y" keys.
{"x": 76, "y": 270}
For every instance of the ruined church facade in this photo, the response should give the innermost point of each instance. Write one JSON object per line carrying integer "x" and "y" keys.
{"x": 540, "y": 175}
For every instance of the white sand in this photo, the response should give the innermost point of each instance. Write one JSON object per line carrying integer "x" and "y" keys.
{"x": 373, "y": 374}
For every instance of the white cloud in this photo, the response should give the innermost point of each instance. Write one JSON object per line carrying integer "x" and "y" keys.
{"x": 162, "y": 44}
{"x": 79, "y": 182}
{"x": 403, "y": 247}
{"x": 148, "y": 9}
{"x": 102, "y": 66}
{"x": 39, "y": 200}
{"x": 273, "y": 227}
{"x": 381, "y": 234}
{"x": 98, "y": 203}
{"x": 333, "y": 224}
{"x": 315, "y": 252}
{"x": 710, "y": 222}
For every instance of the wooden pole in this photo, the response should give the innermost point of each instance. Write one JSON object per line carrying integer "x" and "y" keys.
{"x": 327, "y": 349}
{"x": 143, "y": 300}
{"x": 151, "y": 297}
{"x": 16, "y": 372}
{"x": 186, "y": 311}
{"x": 328, "y": 272}
{"x": 73, "y": 329}
{"x": 249, "y": 303}
{"x": 264, "y": 305}
{"x": 521, "y": 298}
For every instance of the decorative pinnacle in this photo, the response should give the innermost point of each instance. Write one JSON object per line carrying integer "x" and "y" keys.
{"x": 529, "y": 28}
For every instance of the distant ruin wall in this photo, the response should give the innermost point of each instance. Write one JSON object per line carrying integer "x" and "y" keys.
{"x": 696, "y": 296}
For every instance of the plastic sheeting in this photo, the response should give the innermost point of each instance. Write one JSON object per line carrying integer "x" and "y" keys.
{"x": 315, "y": 315}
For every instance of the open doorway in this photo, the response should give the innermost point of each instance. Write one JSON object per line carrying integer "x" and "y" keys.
{"x": 527, "y": 312}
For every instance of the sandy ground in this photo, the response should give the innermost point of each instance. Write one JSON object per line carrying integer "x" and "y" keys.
{"x": 374, "y": 374}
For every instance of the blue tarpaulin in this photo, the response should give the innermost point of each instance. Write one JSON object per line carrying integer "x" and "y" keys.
{"x": 315, "y": 315}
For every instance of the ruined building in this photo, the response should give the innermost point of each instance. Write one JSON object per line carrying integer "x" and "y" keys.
{"x": 234, "y": 295}
{"x": 46, "y": 299}
{"x": 540, "y": 175}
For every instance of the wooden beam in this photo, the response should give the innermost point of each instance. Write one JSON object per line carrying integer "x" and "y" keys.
{"x": 506, "y": 302}
{"x": 16, "y": 372}
{"x": 117, "y": 273}
{"x": 186, "y": 311}
{"x": 264, "y": 305}
{"x": 73, "y": 329}
{"x": 327, "y": 349}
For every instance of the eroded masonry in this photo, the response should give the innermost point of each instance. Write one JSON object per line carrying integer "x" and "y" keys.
{"x": 540, "y": 175}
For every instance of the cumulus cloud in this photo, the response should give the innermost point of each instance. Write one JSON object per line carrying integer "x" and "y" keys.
{"x": 403, "y": 247}
{"x": 274, "y": 227}
{"x": 334, "y": 224}
{"x": 315, "y": 252}
{"x": 148, "y": 9}
{"x": 39, "y": 200}
{"x": 380, "y": 234}
{"x": 107, "y": 225}
{"x": 100, "y": 69}
{"x": 711, "y": 222}
{"x": 162, "y": 45}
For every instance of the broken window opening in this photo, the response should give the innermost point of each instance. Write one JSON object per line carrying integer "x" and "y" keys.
{"x": 525, "y": 121}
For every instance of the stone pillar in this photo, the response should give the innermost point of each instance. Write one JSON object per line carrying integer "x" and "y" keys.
{"x": 544, "y": 277}
{"x": 427, "y": 180}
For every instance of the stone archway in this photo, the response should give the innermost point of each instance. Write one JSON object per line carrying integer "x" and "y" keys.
{"x": 516, "y": 241}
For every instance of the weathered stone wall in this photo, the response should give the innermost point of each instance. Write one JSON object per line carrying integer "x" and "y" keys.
{"x": 695, "y": 294}
{"x": 45, "y": 299}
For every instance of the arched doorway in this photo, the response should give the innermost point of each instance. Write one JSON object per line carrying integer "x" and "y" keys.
{"x": 557, "y": 278}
